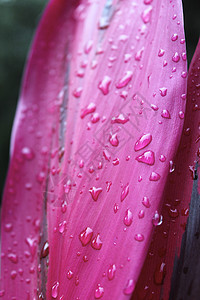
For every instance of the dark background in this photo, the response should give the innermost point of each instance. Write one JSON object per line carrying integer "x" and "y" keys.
{"x": 18, "y": 20}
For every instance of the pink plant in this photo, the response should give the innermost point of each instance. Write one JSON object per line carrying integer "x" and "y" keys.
{"x": 99, "y": 158}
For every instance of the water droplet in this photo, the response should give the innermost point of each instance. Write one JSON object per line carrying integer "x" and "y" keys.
{"x": 139, "y": 237}
{"x": 128, "y": 290}
{"x": 143, "y": 141}
{"x": 27, "y": 153}
{"x": 162, "y": 158}
{"x": 141, "y": 214}
{"x": 154, "y": 176}
{"x": 127, "y": 57}
{"x": 161, "y": 52}
{"x": 128, "y": 218}
{"x": 70, "y": 274}
{"x": 95, "y": 192}
{"x": 114, "y": 140}
{"x": 77, "y": 92}
{"x": 147, "y": 2}
{"x": 160, "y": 273}
{"x": 45, "y": 250}
{"x": 181, "y": 115}
{"x": 104, "y": 85}
{"x": 173, "y": 212}
{"x": 146, "y": 15}
{"x": 120, "y": 119}
{"x": 139, "y": 53}
{"x": 157, "y": 219}
{"x": 147, "y": 157}
{"x": 111, "y": 272}
{"x": 106, "y": 155}
{"x": 88, "y": 46}
{"x": 116, "y": 208}
{"x": 165, "y": 114}
{"x": 99, "y": 292}
{"x": 108, "y": 183}
{"x": 124, "y": 192}
{"x": 174, "y": 37}
{"x": 184, "y": 56}
{"x": 13, "y": 258}
{"x": 154, "y": 107}
{"x": 163, "y": 91}
{"x": 95, "y": 118}
{"x": 8, "y": 227}
{"x": 86, "y": 235}
{"x": 88, "y": 110}
{"x": 96, "y": 242}
{"x": 146, "y": 202}
{"x": 116, "y": 161}
{"x": 62, "y": 226}
{"x": 125, "y": 80}
{"x": 54, "y": 290}
{"x": 176, "y": 57}
{"x": 171, "y": 166}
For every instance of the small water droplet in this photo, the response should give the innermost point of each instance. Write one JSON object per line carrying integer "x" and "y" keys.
{"x": 88, "y": 110}
{"x": 125, "y": 80}
{"x": 77, "y": 92}
{"x": 27, "y": 153}
{"x": 111, "y": 272}
{"x": 104, "y": 85}
{"x": 116, "y": 208}
{"x": 106, "y": 155}
{"x": 120, "y": 119}
{"x": 161, "y": 52}
{"x": 173, "y": 212}
{"x": 162, "y": 158}
{"x": 96, "y": 242}
{"x": 171, "y": 166}
{"x": 54, "y": 290}
{"x": 176, "y": 57}
{"x": 45, "y": 250}
{"x": 95, "y": 192}
{"x": 147, "y": 157}
{"x": 143, "y": 141}
{"x": 163, "y": 91}
{"x": 116, "y": 161}
{"x": 174, "y": 37}
{"x": 108, "y": 183}
{"x": 160, "y": 273}
{"x": 128, "y": 290}
{"x": 88, "y": 46}
{"x": 157, "y": 219}
{"x": 139, "y": 53}
{"x": 70, "y": 274}
{"x": 139, "y": 237}
{"x": 165, "y": 114}
{"x": 146, "y": 15}
{"x": 114, "y": 140}
{"x": 146, "y": 202}
{"x": 86, "y": 236}
{"x": 124, "y": 192}
{"x": 128, "y": 218}
{"x": 181, "y": 115}
{"x": 141, "y": 214}
{"x": 154, "y": 176}
{"x": 95, "y": 118}
{"x": 13, "y": 258}
{"x": 99, "y": 292}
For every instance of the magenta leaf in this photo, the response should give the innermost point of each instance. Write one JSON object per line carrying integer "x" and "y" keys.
{"x": 104, "y": 81}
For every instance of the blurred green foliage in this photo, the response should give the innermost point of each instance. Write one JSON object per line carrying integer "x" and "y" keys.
{"x": 18, "y": 20}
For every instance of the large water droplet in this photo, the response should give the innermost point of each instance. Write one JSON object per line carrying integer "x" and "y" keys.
{"x": 128, "y": 218}
{"x": 128, "y": 290}
{"x": 139, "y": 237}
{"x": 176, "y": 57}
{"x": 111, "y": 272}
{"x": 104, "y": 85}
{"x": 96, "y": 242}
{"x": 114, "y": 140}
{"x": 54, "y": 290}
{"x": 99, "y": 292}
{"x": 125, "y": 80}
{"x": 165, "y": 114}
{"x": 146, "y": 202}
{"x": 95, "y": 192}
{"x": 147, "y": 157}
{"x": 143, "y": 141}
{"x": 88, "y": 110}
{"x": 157, "y": 219}
{"x": 124, "y": 192}
{"x": 154, "y": 176}
{"x": 120, "y": 119}
{"x": 86, "y": 235}
{"x": 146, "y": 15}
